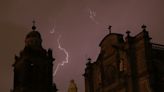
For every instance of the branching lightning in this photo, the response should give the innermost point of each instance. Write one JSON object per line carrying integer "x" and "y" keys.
{"x": 92, "y": 15}
{"x": 53, "y": 30}
{"x": 66, "y": 53}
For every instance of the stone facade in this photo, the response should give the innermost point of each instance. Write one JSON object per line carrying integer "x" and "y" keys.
{"x": 33, "y": 67}
{"x": 133, "y": 64}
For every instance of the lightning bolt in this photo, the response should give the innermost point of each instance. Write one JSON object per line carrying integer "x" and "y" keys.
{"x": 66, "y": 53}
{"x": 92, "y": 15}
{"x": 53, "y": 30}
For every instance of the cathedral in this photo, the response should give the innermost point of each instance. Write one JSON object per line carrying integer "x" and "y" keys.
{"x": 130, "y": 64}
{"x": 33, "y": 68}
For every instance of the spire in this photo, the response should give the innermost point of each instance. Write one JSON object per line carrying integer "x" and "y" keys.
{"x": 109, "y": 29}
{"x": 33, "y": 27}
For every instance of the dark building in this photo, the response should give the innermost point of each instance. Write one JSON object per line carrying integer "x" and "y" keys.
{"x": 34, "y": 67}
{"x": 133, "y": 64}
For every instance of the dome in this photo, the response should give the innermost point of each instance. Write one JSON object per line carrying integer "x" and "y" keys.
{"x": 33, "y": 34}
{"x": 33, "y": 38}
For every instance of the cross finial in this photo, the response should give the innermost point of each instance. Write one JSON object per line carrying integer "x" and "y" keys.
{"x": 144, "y": 27}
{"x": 89, "y": 61}
{"x": 33, "y": 27}
{"x": 128, "y": 33}
{"x": 109, "y": 28}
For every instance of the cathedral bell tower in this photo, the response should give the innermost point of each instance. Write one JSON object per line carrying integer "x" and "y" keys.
{"x": 33, "y": 68}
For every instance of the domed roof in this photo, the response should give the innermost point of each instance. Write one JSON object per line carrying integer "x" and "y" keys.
{"x": 33, "y": 34}
{"x": 33, "y": 38}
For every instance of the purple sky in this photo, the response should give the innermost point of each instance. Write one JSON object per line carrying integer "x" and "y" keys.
{"x": 82, "y": 24}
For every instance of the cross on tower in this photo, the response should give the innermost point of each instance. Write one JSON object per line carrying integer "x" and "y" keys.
{"x": 89, "y": 61}
{"x": 128, "y": 33}
{"x": 109, "y": 29}
{"x": 33, "y": 27}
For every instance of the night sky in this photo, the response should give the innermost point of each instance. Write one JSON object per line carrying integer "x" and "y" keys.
{"x": 80, "y": 25}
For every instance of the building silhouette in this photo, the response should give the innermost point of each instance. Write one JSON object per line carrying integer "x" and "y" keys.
{"x": 133, "y": 64}
{"x": 33, "y": 67}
